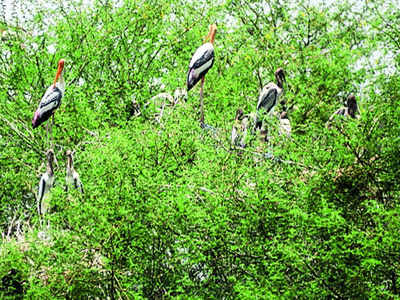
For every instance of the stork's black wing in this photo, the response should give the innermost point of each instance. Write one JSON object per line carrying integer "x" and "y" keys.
{"x": 53, "y": 99}
{"x": 203, "y": 59}
{"x": 268, "y": 99}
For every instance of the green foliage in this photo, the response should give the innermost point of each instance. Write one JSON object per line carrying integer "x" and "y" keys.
{"x": 174, "y": 211}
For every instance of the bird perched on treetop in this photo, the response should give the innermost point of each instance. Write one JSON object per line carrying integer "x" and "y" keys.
{"x": 270, "y": 94}
{"x": 51, "y": 99}
{"x": 202, "y": 61}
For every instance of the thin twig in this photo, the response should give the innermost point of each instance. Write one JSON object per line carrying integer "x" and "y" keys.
{"x": 26, "y": 139}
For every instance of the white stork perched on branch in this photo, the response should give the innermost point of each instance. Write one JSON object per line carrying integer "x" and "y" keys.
{"x": 72, "y": 177}
{"x": 51, "y": 99}
{"x": 46, "y": 183}
{"x": 202, "y": 61}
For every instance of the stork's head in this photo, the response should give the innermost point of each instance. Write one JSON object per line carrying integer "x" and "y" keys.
{"x": 59, "y": 70}
{"x": 211, "y": 34}
{"x": 352, "y": 105}
{"x": 61, "y": 63}
{"x": 69, "y": 155}
{"x": 50, "y": 155}
{"x": 239, "y": 114}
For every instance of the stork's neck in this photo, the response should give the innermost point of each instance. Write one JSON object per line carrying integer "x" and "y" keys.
{"x": 69, "y": 163}
{"x": 279, "y": 81}
{"x": 61, "y": 83}
{"x": 50, "y": 170}
{"x": 212, "y": 37}
{"x": 211, "y": 34}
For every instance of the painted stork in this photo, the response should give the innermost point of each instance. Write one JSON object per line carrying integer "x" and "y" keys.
{"x": 51, "y": 99}
{"x": 285, "y": 128}
{"x": 239, "y": 129}
{"x": 269, "y": 95}
{"x": 267, "y": 101}
{"x": 349, "y": 111}
{"x": 72, "y": 177}
{"x": 202, "y": 61}
{"x": 46, "y": 183}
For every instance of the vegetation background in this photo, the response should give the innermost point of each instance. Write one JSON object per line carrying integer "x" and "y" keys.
{"x": 171, "y": 210}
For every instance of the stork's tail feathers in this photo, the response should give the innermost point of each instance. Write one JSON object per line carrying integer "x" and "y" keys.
{"x": 35, "y": 120}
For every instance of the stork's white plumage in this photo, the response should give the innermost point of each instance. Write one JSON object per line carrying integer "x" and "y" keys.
{"x": 51, "y": 99}
{"x": 72, "y": 177}
{"x": 45, "y": 184}
{"x": 202, "y": 61}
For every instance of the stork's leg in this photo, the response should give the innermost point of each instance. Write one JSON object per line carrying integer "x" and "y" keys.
{"x": 201, "y": 103}
{"x": 51, "y": 129}
{"x": 47, "y": 132}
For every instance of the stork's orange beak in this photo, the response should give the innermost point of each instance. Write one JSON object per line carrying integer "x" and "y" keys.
{"x": 59, "y": 70}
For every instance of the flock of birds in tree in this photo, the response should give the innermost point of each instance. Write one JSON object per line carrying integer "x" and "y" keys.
{"x": 201, "y": 62}
{"x": 47, "y": 107}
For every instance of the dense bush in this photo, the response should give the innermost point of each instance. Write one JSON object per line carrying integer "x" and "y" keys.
{"x": 171, "y": 210}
